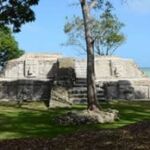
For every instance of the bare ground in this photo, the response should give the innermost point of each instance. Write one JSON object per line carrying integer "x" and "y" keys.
{"x": 131, "y": 137}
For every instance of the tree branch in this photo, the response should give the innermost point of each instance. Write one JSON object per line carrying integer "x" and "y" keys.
{"x": 93, "y": 4}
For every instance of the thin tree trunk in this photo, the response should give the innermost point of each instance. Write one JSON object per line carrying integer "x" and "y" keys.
{"x": 91, "y": 87}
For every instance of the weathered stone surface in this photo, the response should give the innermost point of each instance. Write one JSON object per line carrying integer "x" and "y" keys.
{"x": 87, "y": 117}
{"x": 25, "y": 89}
{"x": 80, "y": 68}
{"x": 115, "y": 67}
{"x": 39, "y": 66}
{"x": 66, "y": 63}
{"x": 102, "y": 68}
{"x": 65, "y": 74}
{"x": 59, "y": 97}
{"x": 45, "y": 66}
{"x": 116, "y": 78}
{"x": 127, "y": 89}
{"x": 107, "y": 67}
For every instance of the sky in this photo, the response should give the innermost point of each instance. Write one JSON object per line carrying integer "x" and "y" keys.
{"x": 45, "y": 34}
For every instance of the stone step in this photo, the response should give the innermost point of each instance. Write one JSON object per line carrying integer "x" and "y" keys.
{"x": 78, "y": 100}
{"x": 84, "y": 89}
{"x": 85, "y": 96}
{"x": 83, "y": 100}
{"x": 82, "y": 80}
{"x": 78, "y": 94}
{"x": 81, "y": 94}
{"x": 82, "y": 85}
{"x": 84, "y": 92}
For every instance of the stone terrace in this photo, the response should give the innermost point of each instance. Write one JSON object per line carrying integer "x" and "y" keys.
{"x": 115, "y": 77}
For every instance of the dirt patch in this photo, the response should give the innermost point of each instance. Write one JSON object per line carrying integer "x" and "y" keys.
{"x": 132, "y": 137}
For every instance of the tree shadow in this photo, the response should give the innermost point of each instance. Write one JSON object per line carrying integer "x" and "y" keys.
{"x": 26, "y": 122}
{"x": 129, "y": 112}
{"x": 29, "y": 122}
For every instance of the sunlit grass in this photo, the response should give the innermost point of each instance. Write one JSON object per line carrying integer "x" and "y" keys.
{"x": 36, "y": 120}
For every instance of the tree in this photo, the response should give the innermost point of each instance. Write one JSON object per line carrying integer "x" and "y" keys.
{"x": 74, "y": 29}
{"x": 16, "y": 12}
{"x": 86, "y": 7}
{"x": 105, "y": 32}
{"x": 8, "y": 46}
{"x": 13, "y": 13}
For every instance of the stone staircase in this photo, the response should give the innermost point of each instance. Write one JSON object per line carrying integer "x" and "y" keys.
{"x": 78, "y": 93}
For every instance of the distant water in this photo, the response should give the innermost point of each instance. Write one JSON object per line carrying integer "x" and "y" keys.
{"x": 146, "y": 71}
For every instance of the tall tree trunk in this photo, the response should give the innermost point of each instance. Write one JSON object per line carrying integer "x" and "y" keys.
{"x": 91, "y": 87}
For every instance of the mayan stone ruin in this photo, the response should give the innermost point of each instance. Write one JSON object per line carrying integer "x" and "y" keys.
{"x": 56, "y": 78}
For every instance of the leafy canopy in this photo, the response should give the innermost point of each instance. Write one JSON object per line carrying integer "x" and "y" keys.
{"x": 8, "y": 46}
{"x": 106, "y": 32}
{"x": 16, "y": 12}
{"x": 13, "y": 13}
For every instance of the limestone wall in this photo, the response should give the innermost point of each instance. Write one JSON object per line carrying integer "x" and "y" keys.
{"x": 45, "y": 66}
{"x": 31, "y": 66}
{"x": 32, "y": 75}
{"x": 125, "y": 69}
{"x": 127, "y": 89}
{"x": 110, "y": 67}
{"x": 80, "y": 68}
{"x": 25, "y": 89}
{"x": 103, "y": 69}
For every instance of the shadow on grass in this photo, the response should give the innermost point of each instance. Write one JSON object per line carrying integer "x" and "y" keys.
{"x": 27, "y": 124}
{"x": 40, "y": 106}
{"x": 129, "y": 112}
{"x": 26, "y": 121}
{"x": 30, "y": 121}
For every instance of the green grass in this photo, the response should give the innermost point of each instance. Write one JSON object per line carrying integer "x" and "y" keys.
{"x": 34, "y": 120}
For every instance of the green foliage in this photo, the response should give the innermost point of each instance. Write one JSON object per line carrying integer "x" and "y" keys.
{"x": 16, "y": 12}
{"x": 106, "y": 32}
{"x": 8, "y": 46}
{"x": 108, "y": 37}
{"x": 13, "y": 13}
{"x": 75, "y": 33}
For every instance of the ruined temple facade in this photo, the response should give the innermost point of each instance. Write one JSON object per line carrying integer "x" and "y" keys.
{"x": 110, "y": 68}
{"x": 33, "y": 76}
{"x": 35, "y": 66}
{"x": 43, "y": 66}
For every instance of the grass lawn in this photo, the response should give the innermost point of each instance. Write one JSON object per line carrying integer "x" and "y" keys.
{"x": 34, "y": 120}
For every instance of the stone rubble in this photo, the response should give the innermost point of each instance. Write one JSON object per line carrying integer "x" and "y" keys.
{"x": 87, "y": 117}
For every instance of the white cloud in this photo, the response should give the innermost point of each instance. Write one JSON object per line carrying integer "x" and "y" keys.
{"x": 140, "y": 6}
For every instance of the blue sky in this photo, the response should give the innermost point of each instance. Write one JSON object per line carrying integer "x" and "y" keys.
{"x": 45, "y": 35}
